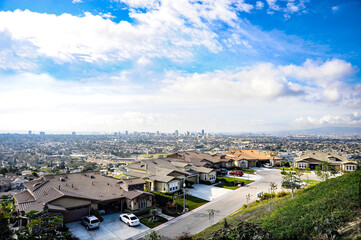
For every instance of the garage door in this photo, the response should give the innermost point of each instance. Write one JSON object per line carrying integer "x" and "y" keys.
{"x": 73, "y": 215}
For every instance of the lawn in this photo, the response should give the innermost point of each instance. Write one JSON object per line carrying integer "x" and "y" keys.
{"x": 229, "y": 184}
{"x": 146, "y": 221}
{"x": 309, "y": 181}
{"x": 164, "y": 201}
{"x": 249, "y": 171}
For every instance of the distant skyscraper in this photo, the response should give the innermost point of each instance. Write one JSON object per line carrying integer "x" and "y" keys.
{"x": 29, "y": 132}
{"x": 202, "y": 132}
{"x": 188, "y": 133}
{"x": 73, "y": 133}
{"x": 176, "y": 132}
{"x": 126, "y": 133}
{"x": 42, "y": 133}
{"x": 158, "y": 134}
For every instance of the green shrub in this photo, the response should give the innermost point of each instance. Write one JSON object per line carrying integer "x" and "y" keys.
{"x": 282, "y": 194}
{"x": 140, "y": 212}
{"x": 205, "y": 182}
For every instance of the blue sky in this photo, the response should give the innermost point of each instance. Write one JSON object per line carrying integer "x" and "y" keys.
{"x": 143, "y": 65}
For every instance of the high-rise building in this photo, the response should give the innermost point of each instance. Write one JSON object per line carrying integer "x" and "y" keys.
{"x": 126, "y": 133}
{"x": 202, "y": 132}
{"x": 158, "y": 133}
{"x": 73, "y": 133}
{"x": 29, "y": 132}
{"x": 176, "y": 133}
{"x": 42, "y": 133}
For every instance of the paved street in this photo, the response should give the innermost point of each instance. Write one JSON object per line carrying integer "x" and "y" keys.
{"x": 198, "y": 220}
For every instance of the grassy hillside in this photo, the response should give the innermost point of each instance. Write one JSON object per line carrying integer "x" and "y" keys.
{"x": 297, "y": 218}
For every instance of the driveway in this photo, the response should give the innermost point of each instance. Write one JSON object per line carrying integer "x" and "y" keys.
{"x": 208, "y": 192}
{"x": 110, "y": 229}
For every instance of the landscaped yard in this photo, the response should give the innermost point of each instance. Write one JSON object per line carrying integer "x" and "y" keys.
{"x": 147, "y": 221}
{"x": 309, "y": 181}
{"x": 231, "y": 183}
{"x": 173, "y": 206}
{"x": 249, "y": 171}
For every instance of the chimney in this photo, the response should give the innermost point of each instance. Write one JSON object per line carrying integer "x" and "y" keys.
{"x": 59, "y": 187}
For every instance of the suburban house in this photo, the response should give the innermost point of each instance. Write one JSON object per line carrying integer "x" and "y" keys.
{"x": 252, "y": 158}
{"x": 200, "y": 159}
{"x": 74, "y": 195}
{"x": 169, "y": 175}
{"x": 312, "y": 159}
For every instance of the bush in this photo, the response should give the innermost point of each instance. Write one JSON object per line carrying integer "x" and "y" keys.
{"x": 185, "y": 236}
{"x": 283, "y": 172}
{"x": 97, "y": 214}
{"x": 205, "y": 182}
{"x": 140, "y": 211}
{"x": 281, "y": 194}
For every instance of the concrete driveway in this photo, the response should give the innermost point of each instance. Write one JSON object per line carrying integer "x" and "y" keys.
{"x": 110, "y": 229}
{"x": 208, "y": 192}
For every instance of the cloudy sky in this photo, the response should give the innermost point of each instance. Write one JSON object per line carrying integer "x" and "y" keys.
{"x": 148, "y": 65}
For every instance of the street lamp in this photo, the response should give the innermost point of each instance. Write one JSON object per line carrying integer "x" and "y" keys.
{"x": 184, "y": 197}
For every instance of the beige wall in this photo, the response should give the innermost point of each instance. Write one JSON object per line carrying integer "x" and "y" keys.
{"x": 67, "y": 202}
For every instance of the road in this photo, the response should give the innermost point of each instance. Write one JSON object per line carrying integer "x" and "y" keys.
{"x": 198, "y": 220}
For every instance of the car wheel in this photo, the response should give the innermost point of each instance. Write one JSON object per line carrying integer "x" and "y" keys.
{"x": 128, "y": 224}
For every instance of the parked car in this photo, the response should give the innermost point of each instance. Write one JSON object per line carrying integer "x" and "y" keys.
{"x": 296, "y": 183}
{"x": 222, "y": 172}
{"x": 267, "y": 165}
{"x": 90, "y": 222}
{"x": 129, "y": 219}
{"x": 238, "y": 173}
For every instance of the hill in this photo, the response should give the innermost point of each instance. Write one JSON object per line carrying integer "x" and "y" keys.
{"x": 329, "y": 204}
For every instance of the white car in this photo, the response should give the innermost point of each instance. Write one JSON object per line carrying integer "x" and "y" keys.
{"x": 129, "y": 219}
{"x": 90, "y": 222}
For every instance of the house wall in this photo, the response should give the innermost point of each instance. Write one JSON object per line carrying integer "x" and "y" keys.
{"x": 67, "y": 202}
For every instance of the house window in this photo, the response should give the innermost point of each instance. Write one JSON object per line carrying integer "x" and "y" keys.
{"x": 212, "y": 177}
{"x": 173, "y": 186}
{"x": 205, "y": 177}
{"x": 164, "y": 187}
{"x": 130, "y": 204}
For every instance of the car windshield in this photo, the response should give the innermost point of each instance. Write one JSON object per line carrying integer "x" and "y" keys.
{"x": 133, "y": 218}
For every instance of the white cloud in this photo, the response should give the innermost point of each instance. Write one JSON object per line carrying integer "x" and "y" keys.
{"x": 335, "y": 8}
{"x": 352, "y": 119}
{"x": 330, "y": 77}
{"x": 159, "y": 33}
{"x": 259, "y": 5}
{"x": 77, "y": 1}
{"x": 262, "y": 81}
{"x": 243, "y": 7}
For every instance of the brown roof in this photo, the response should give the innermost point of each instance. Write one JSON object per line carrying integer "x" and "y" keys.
{"x": 136, "y": 193}
{"x": 92, "y": 186}
{"x": 250, "y": 155}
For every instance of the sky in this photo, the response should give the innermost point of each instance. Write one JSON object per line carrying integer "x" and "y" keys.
{"x": 187, "y": 65}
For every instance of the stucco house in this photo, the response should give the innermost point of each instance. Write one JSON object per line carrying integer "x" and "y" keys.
{"x": 312, "y": 159}
{"x": 74, "y": 195}
{"x": 168, "y": 175}
{"x": 200, "y": 159}
{"x": 252, "y": 158}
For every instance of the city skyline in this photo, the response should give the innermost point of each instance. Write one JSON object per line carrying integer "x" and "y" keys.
{"x": 222, "y": 66}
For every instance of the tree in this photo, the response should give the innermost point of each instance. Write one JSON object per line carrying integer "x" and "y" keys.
{"x": 273, "y": 187}
{"x": 325, "y": 170}
{"x": 289, "y": 182}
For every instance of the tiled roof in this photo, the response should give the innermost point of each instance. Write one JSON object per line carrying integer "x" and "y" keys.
{"x": 322, "y": 156}
{"x": 250, "y": 155}
{"x": 92, "y": 186}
